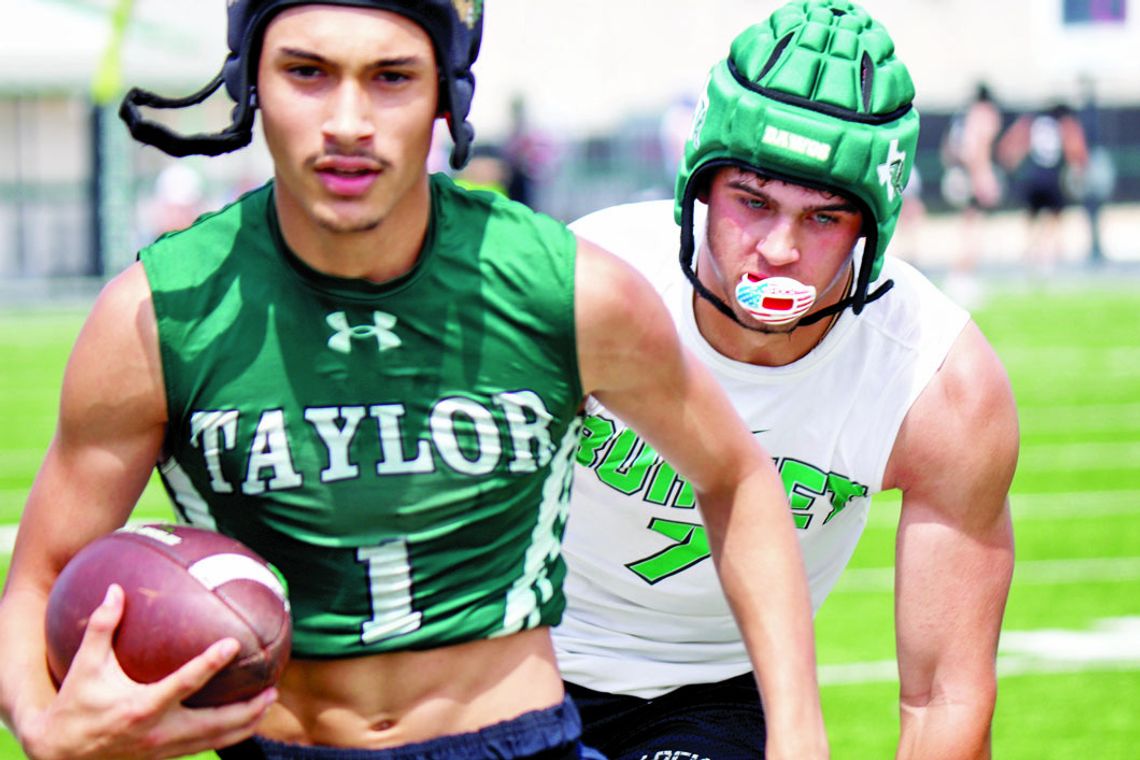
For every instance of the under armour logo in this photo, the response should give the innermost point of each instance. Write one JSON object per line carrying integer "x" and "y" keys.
{"x": 890, "y": 172}
{"x": 380, "y": 329}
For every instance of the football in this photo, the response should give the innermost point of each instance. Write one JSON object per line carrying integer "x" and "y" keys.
{"x": 185, "y": 588}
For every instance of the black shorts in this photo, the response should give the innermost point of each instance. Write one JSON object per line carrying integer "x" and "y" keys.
{"x": 1043, "y": 191}
{"x": 715, "y": 721}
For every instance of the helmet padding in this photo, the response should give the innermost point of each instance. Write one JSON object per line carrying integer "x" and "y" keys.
{"x": 814, "y": 96}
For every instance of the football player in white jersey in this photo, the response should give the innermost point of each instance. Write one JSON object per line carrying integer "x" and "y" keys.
{"x": 851, "y": 369}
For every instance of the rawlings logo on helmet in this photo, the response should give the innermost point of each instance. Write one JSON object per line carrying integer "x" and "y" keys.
{"x": 801, "y": 144}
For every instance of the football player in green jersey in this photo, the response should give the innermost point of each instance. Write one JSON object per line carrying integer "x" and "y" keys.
{"x": 375, "y": 379}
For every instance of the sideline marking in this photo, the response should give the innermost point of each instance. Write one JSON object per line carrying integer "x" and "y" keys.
{"x": 7, "y": 538}
{"x": 1027, "y": 507}
{"x": 8, "y": 534}
{"x": 1041, "y": 572}
{"x": 1112, "y": 644}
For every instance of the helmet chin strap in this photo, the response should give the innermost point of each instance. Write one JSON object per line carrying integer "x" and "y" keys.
{"x": 856, "y": 287}
{"x": 237, "y": 135}
{"x": 853, "y": 301}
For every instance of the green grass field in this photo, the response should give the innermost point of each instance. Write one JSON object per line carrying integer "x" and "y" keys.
{"x": 1070, "y": 655}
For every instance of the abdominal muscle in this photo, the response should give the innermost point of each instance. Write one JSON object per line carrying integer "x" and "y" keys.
{"x": 395, "y": 698}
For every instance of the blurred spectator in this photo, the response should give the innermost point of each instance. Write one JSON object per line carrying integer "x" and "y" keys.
{"x": 1051, "y": 153}
{"x": 908, "y": 234}
{"x": 178, "y": 199}
{"x": 440, "y": 150}
{"x": 530, "y": 154}
{"x": 487, "y": 170}
{"x": 1099, "y": 178}
{"x": 971, "y": 184}
{"x": 676, "y": 126}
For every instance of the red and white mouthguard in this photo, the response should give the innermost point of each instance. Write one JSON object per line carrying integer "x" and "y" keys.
{"x": 774, "y": 300}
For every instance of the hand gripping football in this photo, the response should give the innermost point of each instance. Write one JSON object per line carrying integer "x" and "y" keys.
{"x": 185, "y": 589}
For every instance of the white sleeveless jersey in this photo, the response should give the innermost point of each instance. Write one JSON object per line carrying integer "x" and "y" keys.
{"x": 645, "y": 611}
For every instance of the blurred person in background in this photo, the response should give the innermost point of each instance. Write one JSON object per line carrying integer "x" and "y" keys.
{"x": 1096, "y": 183}
{"x": 908, "y": 233}
{"x": 971, "y": 184}
{"x": 850, "y": 367}
{"x": 1048, "y": 151}
{"x": 673, "y": 132}
{"x": 374, "y": 379}
{"x": 178, "y": 199}
{"x": 531, "y": 154}
{"x": 487, "y": 170}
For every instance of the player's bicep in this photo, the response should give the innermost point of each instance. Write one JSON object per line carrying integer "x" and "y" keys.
{"x": 957, "y": 448}
{"x": 109, "y": 433}
{"x": 633, "y": 362}
{"x": 624, "y": 333}
{"x": 114, "y": 366}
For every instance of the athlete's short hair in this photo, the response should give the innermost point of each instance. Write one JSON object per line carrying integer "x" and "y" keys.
{"x": 454, "y": 26}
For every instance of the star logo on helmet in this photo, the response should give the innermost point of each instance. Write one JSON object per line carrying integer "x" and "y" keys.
{"x": 468, "y": 11}
{"x": 891, "y": 171}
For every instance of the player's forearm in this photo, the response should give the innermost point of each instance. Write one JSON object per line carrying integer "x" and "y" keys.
{"x": 762, "y": 573}
{"x": 952, "y": 581}
{"x": 25, "y": 687}
{"x": 947, "y": 729}
{"x": 948, "y": 684}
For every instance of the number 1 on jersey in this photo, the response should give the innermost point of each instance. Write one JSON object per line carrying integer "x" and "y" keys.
{"x": 390, "y": 585}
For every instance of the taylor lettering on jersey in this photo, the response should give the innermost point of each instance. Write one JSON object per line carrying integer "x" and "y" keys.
{"x": 622, "y": 461}
{"x": 464, "y": 435}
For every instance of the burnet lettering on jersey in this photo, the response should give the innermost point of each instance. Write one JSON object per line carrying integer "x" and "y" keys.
{"x": 623, "y": 462}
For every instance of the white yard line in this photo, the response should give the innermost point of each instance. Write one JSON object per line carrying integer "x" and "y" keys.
{"x": 1026, "y": 573}
{"x": 1079, "y": 419}
{"x": 1082, "y": 457}
{"x": 1112, "y": 644}
{"x": 1082, "y": 504}
{"x": 7, "y": 538}
{"x": 1043, "y": 506}
{"x": 887, "y": 670}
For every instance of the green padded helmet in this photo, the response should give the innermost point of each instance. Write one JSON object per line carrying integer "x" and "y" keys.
{"x": 814, "y": 95}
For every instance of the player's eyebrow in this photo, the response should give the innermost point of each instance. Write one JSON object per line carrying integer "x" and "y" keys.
{"x": 308, "y": 55}
{"x": 843, "y": 206}
{"x": 750, "y": 186}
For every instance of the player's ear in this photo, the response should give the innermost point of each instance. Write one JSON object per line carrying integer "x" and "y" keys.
{"x": 704, "y": 184}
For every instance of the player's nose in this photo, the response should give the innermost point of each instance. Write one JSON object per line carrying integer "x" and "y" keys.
{"x": 778, "y": 245}
{"x": 349, "y": 119}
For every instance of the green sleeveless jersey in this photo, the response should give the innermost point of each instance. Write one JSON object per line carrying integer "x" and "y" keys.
{"x": 401, "y": 451}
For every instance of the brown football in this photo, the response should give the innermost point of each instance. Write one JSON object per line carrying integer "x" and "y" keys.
{"x": 185, "y": 589}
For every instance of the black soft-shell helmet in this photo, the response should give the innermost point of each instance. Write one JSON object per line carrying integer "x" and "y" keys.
{"x": 454, "y": 26}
